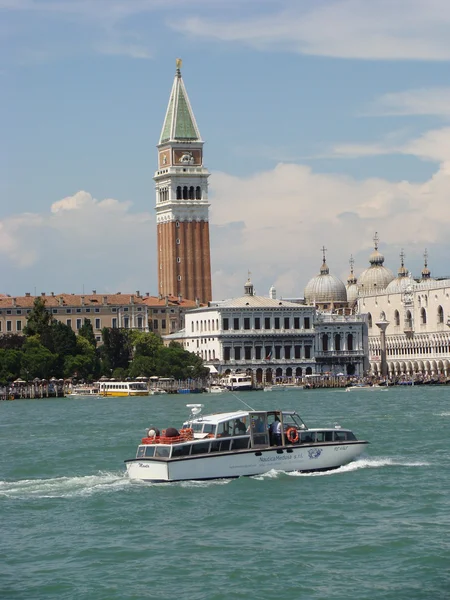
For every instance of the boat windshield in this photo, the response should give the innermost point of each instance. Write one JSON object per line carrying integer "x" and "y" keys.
{"x": 292, "y": 419}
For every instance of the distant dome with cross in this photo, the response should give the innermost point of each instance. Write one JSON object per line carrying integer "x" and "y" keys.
{"x": 324, "y": 287}
{"x": 377, "y": 276}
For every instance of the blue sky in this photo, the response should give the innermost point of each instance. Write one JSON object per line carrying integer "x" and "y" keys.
{"x": 324, "y": 122}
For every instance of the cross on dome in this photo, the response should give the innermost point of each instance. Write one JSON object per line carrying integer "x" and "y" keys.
{"x": 376, "y": 239}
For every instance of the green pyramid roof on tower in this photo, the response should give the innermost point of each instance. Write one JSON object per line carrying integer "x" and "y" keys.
{"x": 179, "y": 124}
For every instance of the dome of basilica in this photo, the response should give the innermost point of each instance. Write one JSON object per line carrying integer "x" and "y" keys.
{"x": 377, "y": 276}
{"x": 402, "y": 281}
{"x": 325, "y": 288}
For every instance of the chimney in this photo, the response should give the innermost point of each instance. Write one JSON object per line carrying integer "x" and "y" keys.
{"x": 61, "y": 300}
{"x": 131, "y": 299}
{"x": 82, "y": 300}
{"x": 105, "y": 300}
{"x": 52, "y": 293}
{"x": 42, "y": 293}
{"x": 147, "y": 294}
{"x": 166, "y": 300}
{"x": 138, "y": 294}
{"x": 180, "y": 298}
{"x": 27, "y": 294}
{"x": 159, "y": 296}
{"x": 197, "y": 302}
{"x": 14, "y": 303}
{"x": 94, "y": 292}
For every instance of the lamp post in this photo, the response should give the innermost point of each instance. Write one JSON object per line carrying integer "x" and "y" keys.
{"x": 382, "y": 325}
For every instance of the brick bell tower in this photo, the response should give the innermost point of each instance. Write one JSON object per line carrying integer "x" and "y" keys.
{"x": 184, "y": 262}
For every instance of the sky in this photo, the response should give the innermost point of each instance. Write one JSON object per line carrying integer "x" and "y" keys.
{"x": 324, "y": 122}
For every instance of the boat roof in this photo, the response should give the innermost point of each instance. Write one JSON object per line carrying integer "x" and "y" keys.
{"x": 215, "y": 418}
{"x": 219, "y": 417}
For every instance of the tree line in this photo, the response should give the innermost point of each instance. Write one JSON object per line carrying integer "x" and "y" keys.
{"x": 49, "y": 348}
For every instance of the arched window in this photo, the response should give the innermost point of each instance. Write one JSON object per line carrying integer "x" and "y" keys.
{"x": 298, "y": 372}
{"x": 423, "y": 316}
{"x": 408, "y": 320}
{"x": 308, "y": 370}
{"x": 337, "y": 342}
{"x": 369, "y": 321}
{"x": 179, "y": 192}
{"x": 325, "y": 342}
{"x": 396, "y": 318}
{"x": 185, "y": 193}
{"x": 198, "y": 193}
{"x": 191, "y": 192}
{"x": 440, "y": 314}
{"x": 350, "y": 342}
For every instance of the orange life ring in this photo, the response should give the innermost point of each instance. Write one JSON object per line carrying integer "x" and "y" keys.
{"x": 292, "y": 435}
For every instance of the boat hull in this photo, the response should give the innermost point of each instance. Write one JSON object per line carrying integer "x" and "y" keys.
{"x": 304, "y": 458}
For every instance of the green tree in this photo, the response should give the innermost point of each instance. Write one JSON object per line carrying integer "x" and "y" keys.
{"x": 11, "y": 341}
{"x": 142, "y": 366}
{"x": 39, "y": 321}
{"x": 87, "y": 331}
{"x": 10, "y": 365}
{"x": 174, "y": 361}
{"x": 85, "y": 364}
{"x": 116, "y": 349}
{"x": 37, "y": 360}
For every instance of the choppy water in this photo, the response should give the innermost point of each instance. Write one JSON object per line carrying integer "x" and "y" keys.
{"x": 74, "y": 527}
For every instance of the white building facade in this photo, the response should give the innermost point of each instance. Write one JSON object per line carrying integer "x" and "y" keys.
{"x": 418, "y": 334}
{"x": 274, "y": 339}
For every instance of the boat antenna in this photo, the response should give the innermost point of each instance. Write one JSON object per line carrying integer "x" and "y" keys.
{"x": 240, "y": 400}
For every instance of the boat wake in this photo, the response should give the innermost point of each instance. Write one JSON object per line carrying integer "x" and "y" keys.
{"x": 64, "y": 487}
{"x": 442, "y": 414}
{"x": 363, "y": 463}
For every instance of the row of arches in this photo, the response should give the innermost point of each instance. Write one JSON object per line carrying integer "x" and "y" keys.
{"x": 414, "y": 367}
{"x": 338, "y": 345}
{"x": 409, "y": 318}
{"x": 189, "y": 193}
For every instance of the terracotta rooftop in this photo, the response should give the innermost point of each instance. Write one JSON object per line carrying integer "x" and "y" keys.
{"x": 118, "y": 299}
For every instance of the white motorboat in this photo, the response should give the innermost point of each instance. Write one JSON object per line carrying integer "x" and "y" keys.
{"x": 364, "y": 386}
{"x": 157, "y": 392}
{"x": 238, "y": 382}
{"x": 275, "y": 388}
{"x": 240, "y": 443}
{"x": 84, "y": 390}
{"x": 217, "y": 389}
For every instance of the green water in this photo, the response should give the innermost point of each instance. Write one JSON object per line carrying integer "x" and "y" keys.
{"x": 74, "y": 527}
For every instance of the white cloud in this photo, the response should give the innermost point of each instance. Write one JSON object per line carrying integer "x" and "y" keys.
{"x": 272, "y": 223}
{"x": 423, "y": 101}
{"x": 433, "y": 145}
{"x": 81, "y": 240}
{"x": 406, "y": 29}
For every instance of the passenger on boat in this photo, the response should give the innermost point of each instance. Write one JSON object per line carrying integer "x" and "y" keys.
{"x": 275, "y": 432}
{"x": 239, "y": 427}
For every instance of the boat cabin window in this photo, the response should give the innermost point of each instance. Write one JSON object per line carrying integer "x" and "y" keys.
{"x": 162, "y": 451}
{"x": 209, "y": 428}
{"x": 292, "y": 420}
{"x": 241, "y": 443}
{"x": 233, "y": 427}
{"x": 307, "y": 437}
{"x": 146, "y": 451}
{"x": 181, "y": 450}
{"x": 200, "y": 448}
{"x": 220, "y": 446}
{"x": 259, "y": 428}
{"x": 343, "y": 436}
